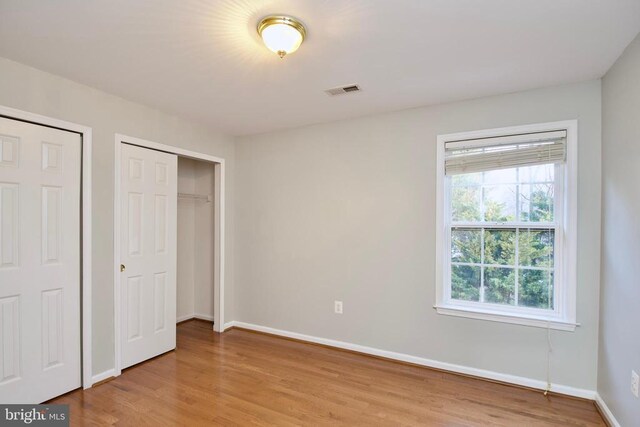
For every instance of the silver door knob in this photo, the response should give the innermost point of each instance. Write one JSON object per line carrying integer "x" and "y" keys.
{"x": 122, "y": 268}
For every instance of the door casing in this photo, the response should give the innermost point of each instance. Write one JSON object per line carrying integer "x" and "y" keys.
{"x": 219, "y": 233}
{"x": 85, "y": 233}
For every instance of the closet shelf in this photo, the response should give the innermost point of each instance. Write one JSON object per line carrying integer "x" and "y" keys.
{"x": 197, "y": 197}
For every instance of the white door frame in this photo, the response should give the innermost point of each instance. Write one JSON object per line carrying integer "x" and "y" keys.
{"x": 85, "y": 286}
{"x": 219, "y": 230}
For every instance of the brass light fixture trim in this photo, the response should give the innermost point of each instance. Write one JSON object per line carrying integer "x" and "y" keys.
{"x": 289, "y": 21}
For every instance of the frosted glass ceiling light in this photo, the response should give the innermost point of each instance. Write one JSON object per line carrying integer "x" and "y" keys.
{"x": 282, "y": 34}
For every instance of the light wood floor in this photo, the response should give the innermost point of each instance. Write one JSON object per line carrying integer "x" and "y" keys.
{"x": 243, "y": 378}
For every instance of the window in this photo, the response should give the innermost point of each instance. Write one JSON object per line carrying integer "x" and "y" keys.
{"x": 506, "y": 225}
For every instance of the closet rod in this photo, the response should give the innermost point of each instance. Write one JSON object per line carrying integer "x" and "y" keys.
{"x": 199, "y": 197}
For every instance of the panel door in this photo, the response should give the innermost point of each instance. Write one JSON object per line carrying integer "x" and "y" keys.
{"x": 149, "y": 215}
{"x": 40, "y": 184}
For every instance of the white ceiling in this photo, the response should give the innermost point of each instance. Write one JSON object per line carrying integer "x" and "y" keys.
{"x": 202, "y": 59}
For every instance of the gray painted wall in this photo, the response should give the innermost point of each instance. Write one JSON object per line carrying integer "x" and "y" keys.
{"x": 343, "y": 211}
{"x": 35, "y": 91}
{"x": 346, "y": 211}
{"x": 620, "y": 294}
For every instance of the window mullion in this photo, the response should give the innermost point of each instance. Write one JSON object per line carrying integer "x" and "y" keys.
{"x": 482, "y": 265}
{"x": 517, "y": 265}
{"x": 482, "y": 198}
{"x": 516, "y": 261}
{"x": 505, "y": 225}
{"x": 518, "y": 194}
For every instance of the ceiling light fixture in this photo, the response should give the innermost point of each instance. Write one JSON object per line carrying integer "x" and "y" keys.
{"x": 282, "y": 34}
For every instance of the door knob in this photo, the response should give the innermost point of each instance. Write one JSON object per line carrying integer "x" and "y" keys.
{"x": 122, "y": 268}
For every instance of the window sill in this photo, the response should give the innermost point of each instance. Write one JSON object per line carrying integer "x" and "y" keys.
{"x": 493, "y": 316}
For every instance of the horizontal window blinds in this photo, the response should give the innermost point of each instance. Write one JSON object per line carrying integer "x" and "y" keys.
{"x": 504, "y": 152}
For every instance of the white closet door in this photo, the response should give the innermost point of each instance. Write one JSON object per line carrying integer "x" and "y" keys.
{"x": 39, "y": 262}
{"x": 149, "y": 215}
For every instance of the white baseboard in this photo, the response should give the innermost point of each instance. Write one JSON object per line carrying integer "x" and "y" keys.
{"x": 229, "y": 325}
{"x": 103, "y": 376}
{"x": 194, "y": 316}
{"x": 183, "y": 318}
{"x": 495, "y": 376}
{"x": 606, "y": 412}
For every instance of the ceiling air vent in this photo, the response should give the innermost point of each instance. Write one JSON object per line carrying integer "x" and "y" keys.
{"x": 342, "y": 90}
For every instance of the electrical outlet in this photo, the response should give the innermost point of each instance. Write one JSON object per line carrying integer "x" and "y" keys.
{"x": 337, "y": 307}
{"x": 635, "y": 383}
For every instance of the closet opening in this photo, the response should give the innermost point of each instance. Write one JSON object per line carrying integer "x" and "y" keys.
{"x": 169, "y": 258}
{"x": 195, "y": 243}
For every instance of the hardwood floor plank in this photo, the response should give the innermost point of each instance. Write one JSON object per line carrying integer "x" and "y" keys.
{"x": 243, "y": 378}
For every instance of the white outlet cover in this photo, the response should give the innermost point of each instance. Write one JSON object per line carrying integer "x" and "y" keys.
{"x": 635, "y": 383}
{"x": 337, "y": 307}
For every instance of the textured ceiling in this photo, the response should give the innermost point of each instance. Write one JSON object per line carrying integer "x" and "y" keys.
{"x": 203, "y": 60}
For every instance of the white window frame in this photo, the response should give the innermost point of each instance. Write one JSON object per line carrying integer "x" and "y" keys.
{"x": 563, "y": 317}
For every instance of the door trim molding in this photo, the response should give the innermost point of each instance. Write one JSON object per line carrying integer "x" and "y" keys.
{"x": 219, "y": 232}
{"x": 85, "y": 285}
